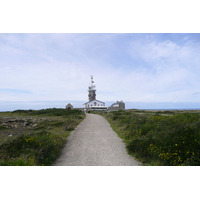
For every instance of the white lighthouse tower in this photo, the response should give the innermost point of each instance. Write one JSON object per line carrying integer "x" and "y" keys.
{"x": 93, "y": 103}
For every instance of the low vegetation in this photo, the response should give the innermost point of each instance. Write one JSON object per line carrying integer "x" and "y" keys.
{"x": 30, "y": 137}
{"x": 167, "y": 138}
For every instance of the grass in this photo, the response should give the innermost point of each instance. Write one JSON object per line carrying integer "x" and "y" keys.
{"x": 169, "y": 138}
{"x": 37, "y": 145}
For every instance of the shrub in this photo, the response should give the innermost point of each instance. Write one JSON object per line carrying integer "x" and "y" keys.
{"x": 41, "y": 148}
{"x": 50, "y": 112}
{"x": 164, "y": 140}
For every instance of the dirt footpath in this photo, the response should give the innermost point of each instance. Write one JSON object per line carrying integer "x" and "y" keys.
{"x": 94, "y": 143}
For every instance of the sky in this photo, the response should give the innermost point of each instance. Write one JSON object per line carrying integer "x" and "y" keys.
{"x": 132, "y": 67}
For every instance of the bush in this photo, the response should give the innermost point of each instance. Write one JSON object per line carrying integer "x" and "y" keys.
{"x": 3, "y": 127}
{"x": 41, "y": 148}
{"x": 167, "y": 140}
{"x": 50, "y": 112}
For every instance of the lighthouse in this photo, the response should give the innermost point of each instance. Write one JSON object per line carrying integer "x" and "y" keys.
{"x": 93, "y": 103}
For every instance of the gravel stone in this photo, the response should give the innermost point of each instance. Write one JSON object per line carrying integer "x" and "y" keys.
{"x": 94, "y": 143}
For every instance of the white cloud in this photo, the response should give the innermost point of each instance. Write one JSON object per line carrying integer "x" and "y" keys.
{"x": 170, "y": 69}
{"x": 153, "y": 51}
{"x": 58, "y": 67}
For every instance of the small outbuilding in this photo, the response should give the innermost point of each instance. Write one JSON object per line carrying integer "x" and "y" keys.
{"x": 119, "y": 105}
{"x": 69, "y": 106}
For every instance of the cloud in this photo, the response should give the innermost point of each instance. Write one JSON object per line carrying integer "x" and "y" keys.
{"x": 47, "y": 81}
{"x": 155, "y": 51}
{"x": 196, "y": 93}
{"x": 132, "y": 67}
{"x": 167, "y": 67}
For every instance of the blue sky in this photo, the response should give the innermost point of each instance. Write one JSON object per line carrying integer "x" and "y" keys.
{"x": 126, "y": 66}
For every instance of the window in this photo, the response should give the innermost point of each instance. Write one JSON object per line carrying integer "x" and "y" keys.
{"x": 95, "y": 103}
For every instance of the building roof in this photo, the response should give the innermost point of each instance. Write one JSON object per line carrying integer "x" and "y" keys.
{"x": 69, "y": 104}
{"x": 92, "y": 101}
{"x": 116, "y": 104}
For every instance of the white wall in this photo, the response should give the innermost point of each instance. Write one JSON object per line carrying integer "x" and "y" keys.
{"x": 94, "y": 103}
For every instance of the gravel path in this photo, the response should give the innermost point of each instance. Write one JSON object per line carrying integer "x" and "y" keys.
{"x": 94, "y": 143}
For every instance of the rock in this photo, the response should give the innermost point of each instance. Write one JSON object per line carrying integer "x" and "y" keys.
{"x": 25, "y": 124}
{"x": 5, "y": 124}
{"x": 11, "y": 120}
{"x": 69, "y": 127}
{"x": 34, "y": 120}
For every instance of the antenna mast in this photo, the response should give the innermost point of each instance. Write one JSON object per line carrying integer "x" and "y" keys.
{"x": 92, "y": 86}
{"x": 92, "y": 90}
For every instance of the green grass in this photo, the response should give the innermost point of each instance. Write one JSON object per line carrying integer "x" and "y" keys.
{"x": 155, "y": 139}
{"x": 39, "y": 145}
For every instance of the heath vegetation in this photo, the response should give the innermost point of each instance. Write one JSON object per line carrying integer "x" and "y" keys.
{"x": 35, "y": 137}
{"x": 170, "y": 138}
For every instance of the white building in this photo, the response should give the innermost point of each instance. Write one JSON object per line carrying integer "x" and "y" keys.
{"x": 94, "y": 103}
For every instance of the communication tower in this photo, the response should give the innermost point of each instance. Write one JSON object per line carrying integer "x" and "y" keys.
{"x": 92, "y": 90}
